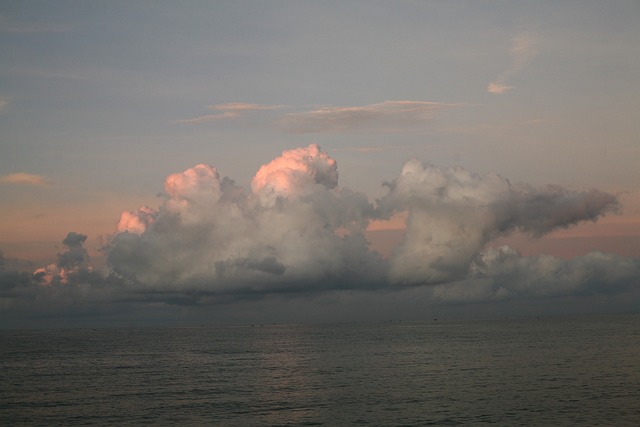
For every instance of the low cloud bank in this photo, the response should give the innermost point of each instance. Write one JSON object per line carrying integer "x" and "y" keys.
{"x": 297, "y": 232}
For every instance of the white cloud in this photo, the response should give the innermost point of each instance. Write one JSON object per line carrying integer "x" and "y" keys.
{"x": 296, "y": 231}
{"x": 453, "y": 214}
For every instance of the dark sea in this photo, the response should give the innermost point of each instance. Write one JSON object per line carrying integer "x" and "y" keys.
{"x": 534, "y": 372}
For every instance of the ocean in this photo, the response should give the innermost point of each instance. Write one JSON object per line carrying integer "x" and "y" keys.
{"x": 530, "y": 372}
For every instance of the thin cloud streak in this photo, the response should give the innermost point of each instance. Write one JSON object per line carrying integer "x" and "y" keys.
{"x": 377, "y": 116}
{"x": 383, "y": 116}
{"x": 21, "y": 178}
{"x": 229, "y": 111}
{"x": 498, "y": 88}
{"x": 209, "y": 118}
{"x": 243, "y": 106}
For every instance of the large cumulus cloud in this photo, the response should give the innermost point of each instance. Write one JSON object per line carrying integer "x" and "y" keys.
{"x": 296, "y": 231}
{"x": 453, "y": 214}
{"x": 295, "y": 228}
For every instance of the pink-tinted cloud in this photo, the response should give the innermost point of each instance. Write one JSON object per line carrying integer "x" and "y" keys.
{"x": 294, "y": 226}
{"x": 243, "y": 106}
{"x": 136, "y": 222}
{"x": 498, "y": 88}
{"x": 21, "y": 178}
{"x": 296, "y": 231}
{"x": 209, "y": 118}
{"x": 524, "y": 48}
{"x": 295, "y": 172}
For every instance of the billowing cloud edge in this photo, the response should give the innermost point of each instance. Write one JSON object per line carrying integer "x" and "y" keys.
{"x": 296, "y": 232}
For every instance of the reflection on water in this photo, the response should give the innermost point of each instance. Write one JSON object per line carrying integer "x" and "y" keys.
{"x": 551, "y": 371}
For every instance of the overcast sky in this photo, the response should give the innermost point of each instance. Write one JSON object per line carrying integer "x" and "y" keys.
{"x": 523, "y": 118}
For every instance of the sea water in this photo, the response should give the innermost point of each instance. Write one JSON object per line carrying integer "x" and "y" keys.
{"x": 547, "y": 371}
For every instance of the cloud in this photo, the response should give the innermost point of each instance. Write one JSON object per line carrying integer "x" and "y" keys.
{"x": 387, "y": 114}
{"x": 498, "y": 88}
{"x": 209, "y": 118}
{"x": 295, "y": 173}
{"x": 524, "y": 48}
{"x": 297, "y": 232}
{"x": 453, "y": 214}
{"x": 294, "y": 227}
{"x": 4, "y": 104}
{"x": 502, "y": 274}
{"x": 228, "y": 111}
{"x": 22, "y": 178}
{"x": 71, "y": 264}
{"x": 243, "y": 106}
{"x": 382, "y": 116}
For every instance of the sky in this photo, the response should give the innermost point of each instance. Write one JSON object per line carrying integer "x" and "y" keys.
{"x": 299, "y": 161}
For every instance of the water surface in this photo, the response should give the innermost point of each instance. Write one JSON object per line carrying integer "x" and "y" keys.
{"x": 549, "y": 371}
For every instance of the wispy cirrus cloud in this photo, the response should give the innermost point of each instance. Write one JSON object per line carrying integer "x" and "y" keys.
{"x": 21, "y": 178}
{"x": 498, "y": 88}
{"x": 228, "y": 111}
{"x": 524, "y": 48}
{"x": 382, "y": 115}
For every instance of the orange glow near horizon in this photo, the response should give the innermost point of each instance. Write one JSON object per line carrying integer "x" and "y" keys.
{"x": 396, "y": 222}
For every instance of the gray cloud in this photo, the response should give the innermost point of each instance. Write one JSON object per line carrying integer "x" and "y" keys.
{"x": 454, "y": 213}
{"x": 502, "y": 274}
{"x": 297, "y": 232}
{"x": 295, "y": 226}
